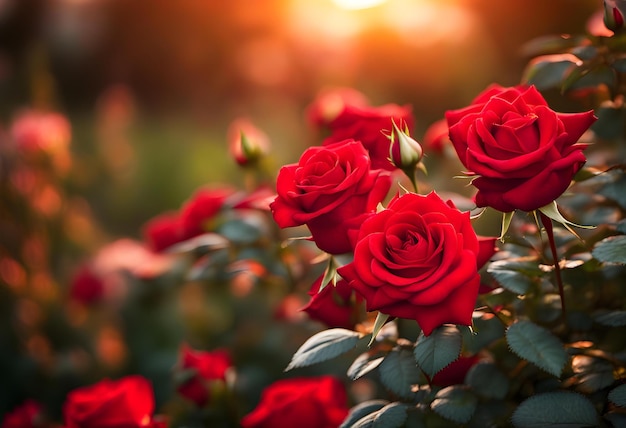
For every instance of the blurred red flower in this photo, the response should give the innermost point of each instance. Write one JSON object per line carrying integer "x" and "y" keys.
{"x": 198, "y": 370}
{"x": 300, "y": 402}
{"x": 127, "y": 402}
{"x": 27, "y": 415}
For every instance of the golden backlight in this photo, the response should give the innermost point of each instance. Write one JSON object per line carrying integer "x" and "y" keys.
{"x": 358, "y": 4}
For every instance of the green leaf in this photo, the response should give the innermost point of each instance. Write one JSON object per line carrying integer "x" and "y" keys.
{"x": 241, "y": 231}
{"x": 549, "y": 71}
{"x": 615, "y": 190}
{"x": 618, "y": 396}
{"x": 550, "y": 44}
{"x": 200, "y": 244}
{"x": 619, "y": 64}
{"x": 436, "y": 351}
{"x": 365, "y": 363}
{"x": 590, "y": 78}
{"x": 585, "y": 52}
{"x": 398, "y": 372}
{"x": 488, "y": 328}
{"x": 487, "y": 380}
{"x": 611, "y": 318}
{"x": 361, "y": 410}
{"x": 513, "y": 275}
{"x": 611, "y": 250}
{"x": 556, "y": 409}
{"x": 537, "y": 345}
{"x": 455, "y": 403}
{"x": 324, "y": 346}
{"x": 391, "y": 416}
{"x": 609, "y": 125}
{"x": 380, "y": 321}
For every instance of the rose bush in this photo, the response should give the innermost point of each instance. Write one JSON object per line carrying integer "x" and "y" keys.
{"x": 522, "y": 154}
{"x": 303, "y": 402}
{"x": 417, "y": 259}
{"x": 327, "y": 190}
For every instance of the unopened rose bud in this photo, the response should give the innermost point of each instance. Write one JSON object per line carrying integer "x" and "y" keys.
{"x": 247, "y": 143}
{"x": 614, "y": 12}
{"x": 404, "y": 151}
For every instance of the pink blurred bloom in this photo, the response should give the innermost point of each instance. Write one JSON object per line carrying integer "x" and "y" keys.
{"x": 330, "y": 103}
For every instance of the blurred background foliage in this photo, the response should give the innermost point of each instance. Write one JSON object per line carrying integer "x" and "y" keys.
{"x": 166, "y": 78}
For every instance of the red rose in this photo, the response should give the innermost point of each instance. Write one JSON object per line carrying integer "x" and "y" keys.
{"x": 87, "y": 286}
{"x": 202, "y": 368}
{"x": 163, "y": 231}
{"x": 436, "y": 137}
{"x": 300, "y": 402}
{"x": 366, "y": 124}
{"x": 335, "y": 306}
{"x": 128, "y": 403}
{"x": 523, "y": 154}
{"x": 28, "y": 415}
{"x": 329, "y": 187}
{"x": 417, "y": 259}
{"x": 201, "y": 209}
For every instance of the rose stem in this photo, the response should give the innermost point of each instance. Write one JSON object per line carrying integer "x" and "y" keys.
{"x": 547, "y": 222}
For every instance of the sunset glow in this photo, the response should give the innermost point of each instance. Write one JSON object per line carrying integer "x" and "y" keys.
{"x": 358, "y": 4}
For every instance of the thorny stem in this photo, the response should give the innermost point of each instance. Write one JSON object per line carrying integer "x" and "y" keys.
{"x": 547, "y": 223}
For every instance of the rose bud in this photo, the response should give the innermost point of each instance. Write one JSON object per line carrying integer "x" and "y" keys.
{"x": 247, "y": 143}
{"x": 614, "y": 11}
{"x": 404, "y": 151}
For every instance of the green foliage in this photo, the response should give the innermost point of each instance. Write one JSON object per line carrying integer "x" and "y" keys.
{"x": 556, "y": 409}
{"x": 455, "y": 403}
{"x": 323, "y": 346}
{"x": 365, "y": 363}
{"x": 398, "y": 372}
{"x": 549, "y": 71}
{"x": 611, "y": 250}
{"x": 514, "y": 275}
{"x": 361, "y": 411}
{"x": 488, "y": 381}
{"x": 391, "y": 416}
{"x": 436, "y": 351}
{"x": 618, "y": 396}
{"x": 611, "y": 318}
{"x": 537, "y": 345}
